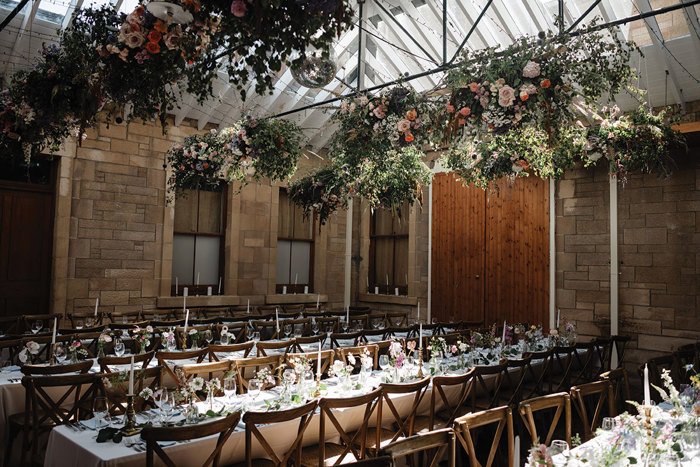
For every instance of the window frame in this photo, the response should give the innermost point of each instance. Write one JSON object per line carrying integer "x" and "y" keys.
{"x": 372, "y": 272}
{"x": 193, "y": 289}
{"x": 291, "y": 289}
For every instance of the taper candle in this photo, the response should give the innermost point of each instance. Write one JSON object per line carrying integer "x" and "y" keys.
{"x": 97, "y": 303}
{"x": 131, "y": 377}
{"x": 55, "y": 323}
{"x": 647, "y": 392}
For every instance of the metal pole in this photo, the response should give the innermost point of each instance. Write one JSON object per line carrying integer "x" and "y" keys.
{"x": 469, "y": 33}
{"x": 585, "y": 13}
{"x": 410, "y": 36}
{"x": 444, "y": 31}
{"x": 13, "y": 13}
{"x": 560, "y": 16}
{"x": 451, "y": 64}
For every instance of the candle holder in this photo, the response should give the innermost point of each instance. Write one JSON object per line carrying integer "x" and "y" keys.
{"x": 420, "y": 365}
{"x": 647, "y": 420}
{"x": 129, "y": 428}
{"x": 52, "y": 356}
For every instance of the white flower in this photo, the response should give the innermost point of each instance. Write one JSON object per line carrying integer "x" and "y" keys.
{"x": 33, "y": 347}
{"x": 404, "y": 125}
{"x": 363, "y": 101}
{"x": 213, "y": 385}
{"x": 22, "y": 356}
{"x": 106, "y": 338}
{"x": 197, "y": 384}
{"x": 146, "y": 394}
{"x": 531, "y": 70}
{"x": 149, "y": 328}
{"x": 351, "y": 358}
{"x": 192, "y": 331}
{"x": 517, "y": 168}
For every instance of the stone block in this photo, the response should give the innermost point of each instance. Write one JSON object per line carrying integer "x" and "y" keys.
{"x": 566, "y": 188}
{"x": 645, "y": 236}
{"x": 581, "y": 285}
{"x": 126, "y": 147}
{"x": 631, "y": 296}
{"x": 112, "y": 130}
{"x": 636, "y": 259}
{"x": 133, "y": 235}
{"x": 654, "y": 313}
{"x": 657, "y": 274}
{"x": 654, "y": 341}
{"x": 128, "y": 273}
{"x": 671, "y": 220}
{"x": 591, "y": 227}
{"x": 677, "y": 302}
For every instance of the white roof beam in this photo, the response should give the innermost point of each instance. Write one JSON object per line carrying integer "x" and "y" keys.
{"x": 658, "y": 40}
{"x": 68, "y": 19}
{"x": 27, "y": 22}
{"x": 691, "y": 17}
{"x": 411, "y": 25}
{"x": 483, "y": 31}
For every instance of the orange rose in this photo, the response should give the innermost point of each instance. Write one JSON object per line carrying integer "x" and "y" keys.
{"x": 465, "y": 111}
{"x": 524, "y": 96}
{"x": 523, "y": 164}
{"x": 545, "y": 83}
{"x": 161, "y": 27}
{"x": 153, "y": 48}
{"x": 206, "y": 166}
{"x": 462, "y": 121}
{"x": 411, "y": 114}
{"x": 450, "y": 108}
{"x": 154, "y": 36}
{"x": 409, "y": 137}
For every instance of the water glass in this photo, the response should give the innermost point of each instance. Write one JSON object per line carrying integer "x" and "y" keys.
{"x": 208, "y": 336}
{"x": 314, "y": 327}
{"x": 230, "y": 389}
{"x": 254, "y": 387}
{"x": 118, "y": 347}
{"x": 59, "y": 354}
{"x": 297, "y": 329}
{"x": 308, "y": 382}
{"x": 256, "y": 336}
{"x": 608, "y": 424}
{"x": 36, "y": 327}
{"x": 100, "y": 410}
{"x": 287, "y": 328}
{"x": 344, "y": 324}
{"x": 383, "y": 362}
{"x": 558, "y": 447}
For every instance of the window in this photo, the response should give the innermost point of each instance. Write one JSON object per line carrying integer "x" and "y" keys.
{"x": 198, "y": 241}
{"x": 388, "y": 251}
{"x": 295, "y": 246}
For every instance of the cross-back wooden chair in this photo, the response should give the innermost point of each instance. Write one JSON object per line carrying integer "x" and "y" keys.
{"x": 541, "y": 408}
{"x": 52, "y": 401}
{"x": 326, "y": 322}
{"x": 267, "y": 329}
{"x": 593, "y": 401}
{"x": 376, "y": 320}
{"x": 402, "y": 422}
{"x": 210, "y": 315}
{"x": 561, "y": 368}
{"x": 219, "y": 351}
{"x": 307, "y": 343}
{"x": 502, "y": 417}
{"x": 89, "y": 342}
{"x": 396, "y": 319}
{"x": 165, "y": 325}
{"x": 236, "y": 331}
{"x": 398, "y": 332}
{"x": 684, "y": 366}
{"x": 327, "y": 357}
{"x": 185, "y": 341}
{"x": 268, "y": 309}
{"x": 265, "y": 348}
{"x": 540, "y": 372}
{"x": 621, "y": 388}
{"x": 486, "y": 394}
{"x": 449, "y": 395}
{"x": 208, "y": 371}
{"x": 247, "y": 368}
{"x": 223, "y": 427}
{"x": 343, "y": 352}
{"x": 583, "y": 367}
{"x": 358, "y": 322}
{"x": 295, "y": 309}
{"x": 37, "y": 370}
{"x": 109, "y": 363}
{"x": 603, "y": 348}
{"x": 161, "y": 314}
{"x": 82, "y": 319}
{"x": 348, "y": 339}
{"x": 656, "y": 367}
{"x": 116, "y": 387}
{"x": 10, "y": 325}
{"x": 513, "y": 380}
{"x": 253, "y": 420}
{"x": 9, "y": 349}
{"x": 351, "y": 446}
{"x": 124, "y": 317}
{"x": 300, "y": 326}
{"x": 47, "y": 320}
{"x": 170, "y": 360}
{"x": 44, "y": 354}
{"x": 619, "y": 344}
{"x": 430, "y": 448}
{"x": 369, "y": 336}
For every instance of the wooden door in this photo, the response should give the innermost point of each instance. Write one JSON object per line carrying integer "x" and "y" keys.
{"x": 26, "y": 231}
{"x": 490, "y": 256}
{"x": 458, "y": 251}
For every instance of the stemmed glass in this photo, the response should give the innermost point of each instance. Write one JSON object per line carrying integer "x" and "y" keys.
{"x": 344, "y": 324}
{"x": 230, "y": 389}
{"x": 100, "y": 409}
{"x": 36, "y": 327}
{"x": 162, "y": 401}
{"x": 308, "y": 382}
{"x": 208, "y": 336}
{"x": 59, "y": 354}
{"x": 314, "y": 327}
{"x": 254, "y": 387}
{"x": 287, "y": 328}
{"x": 558, "y": 447}
{"x": 118, "y": 347}
{"x": 288, "y": 377}
{"x": 383, "y": 362}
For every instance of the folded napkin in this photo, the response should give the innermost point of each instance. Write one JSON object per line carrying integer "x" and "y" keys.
{"x": 92, "y": 424}
{"x": 165, "y": 444}
{"x": 12, "y": 368}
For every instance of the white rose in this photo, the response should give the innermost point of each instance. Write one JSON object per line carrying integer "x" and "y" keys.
{"x": 506, "y": 96}
{"x": 531, "y": 70}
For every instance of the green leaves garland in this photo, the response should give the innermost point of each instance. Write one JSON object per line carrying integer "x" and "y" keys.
{"x": 264, "y": 148}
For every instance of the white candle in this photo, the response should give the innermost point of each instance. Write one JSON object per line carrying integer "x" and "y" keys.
{"x": 306, "y": 289}
{"x": 187, "y": 320}
{"x": 418, "y": 311}
{"x": 131, "y": 377}
{"x": 387, "y": 282}
{"x": 396, "y": 291}
{"x": 420, "y": 336}
{"x": 296, "y": 276}
{"x": 247, "y": 310}
{"x": 284, "y": 290}
{"x": 558, "y": 312}
{"x": 647, "y": 393}
{"x": 219, "y": 285}
{"x": 209, "y": 291}
{"x": 176, "y": 291}
{"x": 318, "y": 300}
{"x": 516, "y": 454}
{"x": 318, "y": 362}
{"x": 97, "y": 302}
{"x": 55, "y": 322}
{"x": 184, "y": 299}
{"x": 277, "y": 319}
{"x": 406, "y": 279}
{"x": 347, "y": 315}
{"x": 503, "y": 340}
{"x": 197, "y": 280}
{"x": 376, "y": 290}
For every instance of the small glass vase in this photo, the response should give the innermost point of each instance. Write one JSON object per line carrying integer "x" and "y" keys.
{"x": 142, "y": 349}
{"x": 365, "y": 372}
{"x": 74, "y": 357}
{"x": 346, "y": 383}
{"x": 191, "y": 413}
{"x": 100, "y": 351}
{"x": 194, "y": 345}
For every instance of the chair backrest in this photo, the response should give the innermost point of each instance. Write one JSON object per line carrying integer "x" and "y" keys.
{"x": 481, "y": 387}
{"x": 603, "y": 348}
{"x": 402, "y": 420}
{"x": 44, "y": 341}
{"x": 513, "y": 380}
{"x": 208, "y": 370}
{"x": 583, "y": 367}
{"x": 359, "y": 322}
{"x": 348, "y": 339}
{"x": 502, "y": 417}
{"x": 371, "y": 335}
{"x": 82, "y": 319}
{"x": 450, "y": 393}
{"x": 186, "y": 340}
{"x": 299, "y": 326}
{"x": 28, "y": 321}
{"x": 116, "y": 387}
{"x": 56, "y": 400}
{"x": 265, "y": 348}
{"x": 353, "y": 443}
{"x": 80, "y": 367}
{"x": 236, "y": 331}
{"x": 432, "y": 446}
{"x": 294, "y": 308}
{"x": 247, "y": 368}
{"x": 169, "y": 360}
{"x": 252, "y": 420}
{"x": 562, "y": 366}
{"x": 327, "y": 357}
{"x": 684, "y": 365}
{"x": 593, "y": 401}
{"x": 540, "y": 373}
{"x": 343, "y": 352}
{"x": 223, "y": 427}
{"x": 396, "y": 319}
{"x": 619, "y": 343}
{"x": 656, "y": 367}
{"x": 216, "y": 351}
{"x": 108, "y": 363}
{"x": 267, "y": 329}
{"x": 307, "y": 343}
{"x": 12, "y": 347}
{"x": 621, "y": 388}
{"x": 124, "y": 317}
{"x": 326, "y": 322}
{"x": 560, "y": 401}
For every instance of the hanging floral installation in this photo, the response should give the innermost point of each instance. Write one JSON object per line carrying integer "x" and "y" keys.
{"x": 251, "y": 149}
{"x": 139, "y": 65}
{"x": 376, "y": 153}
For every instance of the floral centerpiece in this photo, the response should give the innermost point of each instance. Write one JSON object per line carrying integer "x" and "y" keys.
{"x": 30, "y": 349}
{"x": 142, "y": 337}
{"x": 342, "y": 371}
{"x": 78, "y": 351}
{"x": 103, "y": 340}
{"x": 195, "y": 336}
{"x": 170, "y": 339}
{"x": 224, "y": 335}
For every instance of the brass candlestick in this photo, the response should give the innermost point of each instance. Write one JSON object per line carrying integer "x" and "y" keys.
{"x": 420, "y": 365}
{"x": 130, "y": 418}
{"x": 647, "y": 421}
{"x": 52, "y": 357}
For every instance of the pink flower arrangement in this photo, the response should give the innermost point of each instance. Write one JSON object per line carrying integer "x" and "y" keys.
{"x": 506, "y": 96}
{"x": 531, "y": 70}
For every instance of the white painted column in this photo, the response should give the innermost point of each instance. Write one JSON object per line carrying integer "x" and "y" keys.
{"x": 552, "y": 255}
{"x": 614, "y": 268}
{"x": 348, "y": 254}
{"x": 430, "y": 251}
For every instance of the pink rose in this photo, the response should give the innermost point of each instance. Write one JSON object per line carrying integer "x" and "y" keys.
{"x": 531, "y": 70}
{"x": 173, "y": 38}
{"x": 506, "y": 96}
{"x": 380, "y": 111}
{"x": 473, "y": 87}
{"x": 238, "y": 8}
{"x": 403, "y": 125}
{"x": 450, "y": 108}
{"x": 465, "y": 111}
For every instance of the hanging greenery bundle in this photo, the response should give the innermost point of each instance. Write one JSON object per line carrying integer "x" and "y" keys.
{"x": 320, "y": 193}
{"x": 265, "y": 148}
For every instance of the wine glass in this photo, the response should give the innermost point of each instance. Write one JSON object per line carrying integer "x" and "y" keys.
{"x": 288, "y": 376}
{"x": 256, "y": 336}
{"x": 230, "y": 388}
{"x": 208, "y": 336}
{"x": 118, "y": 347}
{"x": 558, "y": 447}
{"x": 170, "y": 344}
{"x": 162, "y": 401}
{"x": 36, "y": 327}
{"x": 308, "y": 381}
{"x": 608, "y": 424}
{"x": 314, "y": 327}
{"x": 383, "y": 362}
{"x": 287, "y": 328}
{"x": 59, "y": 354}
{"x": 254, "y": 387}
{"x": 297, "y": 329}
{"x": 344, "y": 324}
{"x": 99, "y": 410}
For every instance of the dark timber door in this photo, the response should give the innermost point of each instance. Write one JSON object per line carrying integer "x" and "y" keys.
{"x": 26, "y": 232}
{"x": 490, "y": 258}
